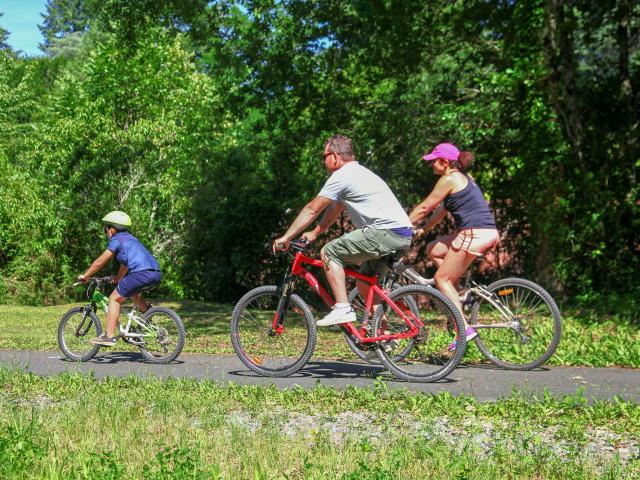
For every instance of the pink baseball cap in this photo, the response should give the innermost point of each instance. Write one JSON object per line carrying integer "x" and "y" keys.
{"x": 444, "y": 150}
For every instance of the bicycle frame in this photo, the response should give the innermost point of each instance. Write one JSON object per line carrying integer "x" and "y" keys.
{"x": 413, "y": 276}
{"x": 297, "y": 269}
{"x": 99, "y": 299}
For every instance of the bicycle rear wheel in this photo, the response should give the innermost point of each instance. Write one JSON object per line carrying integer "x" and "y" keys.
{"x": 74, "y": 332}
{"x": 430, "y": 358}
{"x": 532, "y": 328}
{"x": 358, "y": 304}
{"x": 166, "y": 339}
{"x": 266, "y": 352}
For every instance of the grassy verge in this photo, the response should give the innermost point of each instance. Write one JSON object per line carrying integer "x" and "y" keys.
{"x": 73, "y": 426}
{"x": 587, "y": 340}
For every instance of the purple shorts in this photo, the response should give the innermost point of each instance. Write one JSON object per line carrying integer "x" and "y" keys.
{"x": 136, "y": 281}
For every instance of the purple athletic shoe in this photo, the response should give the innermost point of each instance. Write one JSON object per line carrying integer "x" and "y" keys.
{"x": 469, "y": 332}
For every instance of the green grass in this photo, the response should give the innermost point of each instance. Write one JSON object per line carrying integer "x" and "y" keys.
{"x": 72, "y": 426}
{"x": 588, "y": 339}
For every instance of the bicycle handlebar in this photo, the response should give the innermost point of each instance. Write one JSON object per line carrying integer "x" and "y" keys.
{"x": 299, "y": 244}
{"x": 93, "y": 279}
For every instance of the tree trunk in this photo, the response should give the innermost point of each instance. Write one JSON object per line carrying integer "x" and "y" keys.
{"x": 630, "y": 125}
{"x": 558, "y": 47}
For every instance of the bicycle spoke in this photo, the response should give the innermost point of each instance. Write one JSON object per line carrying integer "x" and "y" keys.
{"x": 75, "y": 331}
{"x": 530, "y": 336}
{"x": 162, "y": 334}
{"x": 431, "y": 357}
{"x": 254, "y": 320}
{"x": 358, "y": 304}
{"x": 262, "y": 349}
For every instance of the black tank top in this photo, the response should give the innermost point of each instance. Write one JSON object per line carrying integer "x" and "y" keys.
{"x": 469, "y": 208}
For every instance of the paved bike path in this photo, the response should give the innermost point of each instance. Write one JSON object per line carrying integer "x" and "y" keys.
{"x": 484, "y": 382}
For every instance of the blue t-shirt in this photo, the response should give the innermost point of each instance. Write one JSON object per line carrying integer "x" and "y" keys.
{"x": 130, "y": 252}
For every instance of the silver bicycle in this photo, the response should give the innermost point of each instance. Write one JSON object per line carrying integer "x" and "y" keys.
{"x": 518, "y": 323}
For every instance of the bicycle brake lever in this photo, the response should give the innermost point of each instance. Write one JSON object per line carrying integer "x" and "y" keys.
{"x": 300, "y": 244}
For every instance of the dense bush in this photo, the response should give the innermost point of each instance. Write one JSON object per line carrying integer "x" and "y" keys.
{"x": 206, "y": 122}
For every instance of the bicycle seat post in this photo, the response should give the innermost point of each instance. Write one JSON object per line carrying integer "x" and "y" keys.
{"x": 467, "y": 280}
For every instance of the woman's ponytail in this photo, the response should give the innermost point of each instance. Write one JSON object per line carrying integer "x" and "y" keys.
{"x": 465, "y": 160}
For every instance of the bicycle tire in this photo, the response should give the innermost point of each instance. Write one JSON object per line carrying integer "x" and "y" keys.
{"x": 250, "y": 331}
{"x": 65, "y": 345}
{"x": 436, "y": 312}
{"x": 362, "y": 354}
{"x": 163, "y": 336}
{"x": 495, "y": 345}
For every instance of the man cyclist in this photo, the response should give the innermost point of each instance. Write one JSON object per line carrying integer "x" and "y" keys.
{"x": 138, "y": 269}
{"x": 382, "y": 226}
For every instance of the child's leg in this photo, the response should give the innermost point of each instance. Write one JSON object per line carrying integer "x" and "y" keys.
{"x": 140, "y": 302}
{"x": 113, "y": 312}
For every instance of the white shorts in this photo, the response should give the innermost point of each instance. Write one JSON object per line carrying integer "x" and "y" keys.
{"x": 476, "y": 241}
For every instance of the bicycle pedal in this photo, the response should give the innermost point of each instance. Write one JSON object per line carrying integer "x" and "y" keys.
{"x": 389, "y": 346}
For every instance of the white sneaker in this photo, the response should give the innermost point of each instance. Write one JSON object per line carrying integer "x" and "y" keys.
{"x": 339, "y": 314}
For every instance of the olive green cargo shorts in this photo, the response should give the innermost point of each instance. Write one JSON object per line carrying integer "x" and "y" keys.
{"x": 366, "y": 245}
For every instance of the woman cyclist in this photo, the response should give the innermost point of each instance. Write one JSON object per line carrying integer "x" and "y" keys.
{"x": 138, "y": 270}
{"x": 455, "y": 192}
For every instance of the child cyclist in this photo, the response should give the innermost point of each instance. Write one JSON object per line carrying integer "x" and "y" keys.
{"x": 138, "y": 270}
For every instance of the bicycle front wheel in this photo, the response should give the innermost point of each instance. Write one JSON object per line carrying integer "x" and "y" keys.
{"x": 269, "y": 353}
{"x": 438, "y": 347}
{"x": 163, "y": 335}
{"x": 522, "y": 330}
{"x": 75, "y": 331}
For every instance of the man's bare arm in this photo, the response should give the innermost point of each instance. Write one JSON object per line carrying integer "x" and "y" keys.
{"x": 307, "y": 215}
{"x": 330, "y": 216}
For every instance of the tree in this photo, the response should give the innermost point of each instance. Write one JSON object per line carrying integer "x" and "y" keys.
{"x": 4, "y": 35}
{"x": 64, "y": 18}
{"x": 202, "y": 117}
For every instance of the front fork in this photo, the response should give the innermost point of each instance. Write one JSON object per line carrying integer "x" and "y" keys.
{"x": 80, "y": 332}
{"x": 285, "y": 290}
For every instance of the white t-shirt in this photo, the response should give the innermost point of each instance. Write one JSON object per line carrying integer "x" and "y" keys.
{"x": 367, "y": 198}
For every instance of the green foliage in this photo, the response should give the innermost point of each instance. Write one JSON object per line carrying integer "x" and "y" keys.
{"x": 73, "y": 426}
{"x": 21, "y": 446}
{"x": 180, "y": 463}
{"x": 205, "y": 121}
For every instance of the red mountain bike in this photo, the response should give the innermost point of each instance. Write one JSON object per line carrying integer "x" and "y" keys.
{"x": 274, "y": 332}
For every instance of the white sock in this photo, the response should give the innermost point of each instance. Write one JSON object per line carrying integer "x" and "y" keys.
{"x": 342, "y": 305}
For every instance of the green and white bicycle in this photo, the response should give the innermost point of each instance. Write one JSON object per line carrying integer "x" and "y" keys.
{"x": 158, "y": 332}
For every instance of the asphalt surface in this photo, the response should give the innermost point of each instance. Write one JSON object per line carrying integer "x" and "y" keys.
{"x": 484, "y": 382}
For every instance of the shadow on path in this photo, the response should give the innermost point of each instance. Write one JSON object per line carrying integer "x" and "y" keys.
{"x": 337, "y": 370}
{"x": 120, "y": 357}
